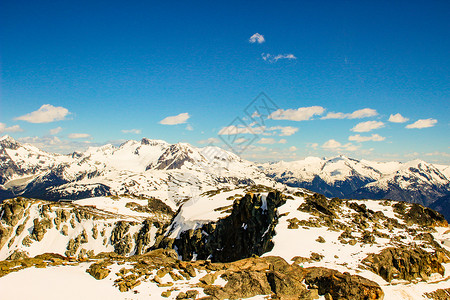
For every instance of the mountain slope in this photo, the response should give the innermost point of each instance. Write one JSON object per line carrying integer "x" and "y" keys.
{"x": 309, "y": 246}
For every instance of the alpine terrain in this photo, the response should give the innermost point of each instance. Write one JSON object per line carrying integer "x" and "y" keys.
{"x": 153, "y": 220}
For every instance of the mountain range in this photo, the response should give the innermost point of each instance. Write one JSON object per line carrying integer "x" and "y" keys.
{"x": 176, "y": 172}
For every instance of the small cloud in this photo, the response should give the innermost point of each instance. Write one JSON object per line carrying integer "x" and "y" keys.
{"x": 333, "y": 145}
{"x": 14, "y": 128}
{"x": 360, "y": 139}
{"x": 256, "y": 38}
{"x": 233, "y": 130}
{"x": 423, "y": 123}
{"x": 189, "y": 127}
{"x": 55, "y": 131}
{"x": 45, "y": 114}
{"x": 134, "y": 131}
{"x": 284, "y": 130}
{"x": 271, "y": 141}
{"x": 292, "y": 148}
{"x": 437, "y": 153}
{"x": 55, "y": 144}
{"x": 313, "y": 145}
{"x": 397, "y": 118}
{"x": 300, "y": 114}
{"x": 78, "y": 135}
{"x": 240, "y": 141}
{"x": 357, "y": 114}
{"x": 274, "y": 58}
{"x": 367, "y": 126}
{"x": 174, "y": 120}
{"x": 209, "y": 141}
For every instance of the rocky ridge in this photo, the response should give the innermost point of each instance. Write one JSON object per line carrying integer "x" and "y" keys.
{"x": 232, "y": 243}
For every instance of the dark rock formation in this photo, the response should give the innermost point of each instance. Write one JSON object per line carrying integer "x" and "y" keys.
{"x": 320, "y": 204}
{"x": 245, "y": 232}
{"x": 120, "y": 238}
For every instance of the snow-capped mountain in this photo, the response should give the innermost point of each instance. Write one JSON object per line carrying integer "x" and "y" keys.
{"x": 414, "y": 181}
{"x": 176, "y": 172}
{"x": 147, "y": 167}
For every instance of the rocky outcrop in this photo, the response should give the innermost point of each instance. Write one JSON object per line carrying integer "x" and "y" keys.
{"x": 99, "y": 270}
{"x": 342, "y": 285}
{"x": 441, "y": 294}
{"x": 408, "y": 263}
{"x": 319, "y": 204}
{"x": 418, "y": 214}
{"x": 247, "y": 231}
{"x": 121, "y": 239}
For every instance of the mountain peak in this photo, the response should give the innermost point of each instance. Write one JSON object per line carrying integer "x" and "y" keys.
{"x": 7, "y": 141}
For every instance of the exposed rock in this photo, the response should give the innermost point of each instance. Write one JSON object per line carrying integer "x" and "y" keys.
{"x": 418, "y": 214}
{"x": 319, "y": 203}
{"x": 12, "y": 210}
{"x": 121, "y": 241}
{"x": 40, "y": 228}
{"x": 406, "y": 263}
{"x": 65, "y": 230}
{"x": 342, "y": 286}
{"x": 98, "y": 271}
{"x": 246, "y": 231}
{"x": 441, "y": 294}
{"x": 244, "y": 284}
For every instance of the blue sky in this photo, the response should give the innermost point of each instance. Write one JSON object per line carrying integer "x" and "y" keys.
{"x": 81, "y": 73}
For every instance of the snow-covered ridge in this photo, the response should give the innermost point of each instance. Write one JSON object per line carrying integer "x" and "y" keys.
{"x": 172, "y": 172}
{"x": 413, "y": 181}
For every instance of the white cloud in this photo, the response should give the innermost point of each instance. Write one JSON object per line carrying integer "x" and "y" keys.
{"x": 174, "y": 120}
{"x": 134, "y": 131}
{"x": 189, "y": 127}
{"x": 232, "y": 130}
{"x": 313, "y": 145}
{"x": 275, "y": 130}
{"x": 240, "y": 141}
{"x": 78, "y": 135}
{"x": 363, "y": 113}
{"x": 274, "y": 58}
{"x": 285, "y": 130}
{"x": 360, "y": 139}
{"x": 333, "y": 145}
{"x": 45, "y": 114}
{"x": 55, "y": 144}
{"x": 438, "y": 153}
{"x": 271, "y": 141}
{"x": 55, "y": 131}
{"x": 300, "y": 114}
{"x": 14, "y": 128}
{"x": 257, "y": 38}
{"x": 257, "y": 148}
{"x": 423, "y": 123}
{"x": 209, "y": 141}
{"x": 292, "y": 148}
{"x": 357, "y": 114}
{"x": 397, "y": 118}
{"x": 367, "y": 126}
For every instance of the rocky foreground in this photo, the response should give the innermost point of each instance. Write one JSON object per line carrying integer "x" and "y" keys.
{"x": 251, "y": 242}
